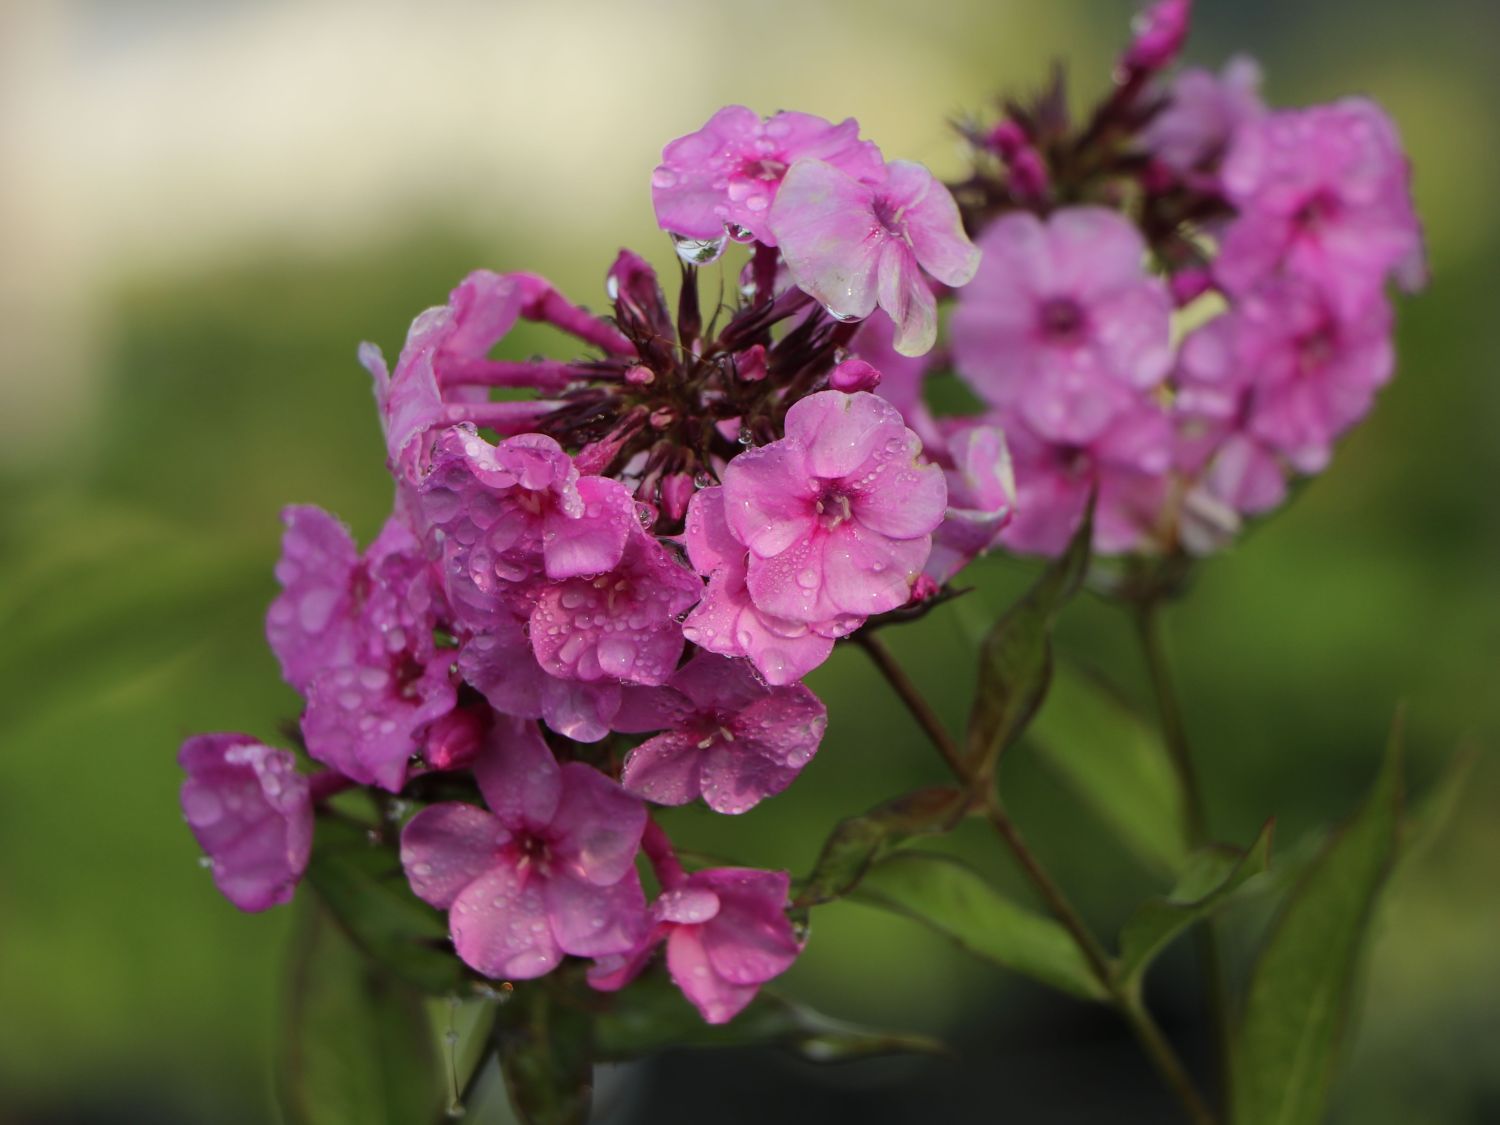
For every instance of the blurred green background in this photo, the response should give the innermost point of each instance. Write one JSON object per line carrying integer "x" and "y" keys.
{"x": 206, "y": 206}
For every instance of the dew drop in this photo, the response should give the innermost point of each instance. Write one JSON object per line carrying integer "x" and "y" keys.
{"x": 699, "y": 251}
{"x": 739, "y": 233}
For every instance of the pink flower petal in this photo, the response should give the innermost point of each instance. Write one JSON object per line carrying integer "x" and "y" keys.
{"x": 500, "y": 926}
{"x": 445, "y": 847}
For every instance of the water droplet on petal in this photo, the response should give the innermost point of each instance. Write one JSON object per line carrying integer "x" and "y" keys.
{"x": 699, "y": 251}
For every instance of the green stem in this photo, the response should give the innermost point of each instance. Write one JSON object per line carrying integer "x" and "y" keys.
{"x": 1206, "y": 937}
{"x": 1150, "y": 1037}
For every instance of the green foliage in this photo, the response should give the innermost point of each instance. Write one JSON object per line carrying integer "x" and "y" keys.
{"x": 956, "y": 901}
{"x": 1212, "y": 874}
{"x": 364, "y": 887}
{"x": 358, "y": 1046}
{"x": 1015, "y": 659}
{"x": 1115, "y": 763}
{"x": 1302, "y": 985}
{"x": 546, "y": 1054}
{"x": 652, "y": 1015}
{"x": 861, "y": 840}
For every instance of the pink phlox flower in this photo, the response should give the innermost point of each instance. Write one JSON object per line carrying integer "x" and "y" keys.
{"x": 1308, "y": 374}
{"x": 620, "y": 625}
{"x": 251, "y": 813}
{"x": 1129, "y": 465}
{"x": 729, "y": 738}
{"x": 855, "y": 245}
{"x": 506, "y": 517}
{"x": 724, "y": 178}
{"x": 355, "y": 636}
{"x": 727, "y": 621}
{"x": 981, "y": 497}
{"x": 444, "y": 374}
{"x": 1160, "y": 32}
{"x": 726, "y": 933}
{"x": 547, "y": 871}
{"x": 1324, "y": 194}
{"x": 1202, "y": 112}
{"x": 838, "y": 515}
{"x": 1062, "y": 324}
{"x": 499, "y": 663}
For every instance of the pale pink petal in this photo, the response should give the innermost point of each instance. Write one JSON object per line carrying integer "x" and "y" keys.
{"x": 824, "y": 221}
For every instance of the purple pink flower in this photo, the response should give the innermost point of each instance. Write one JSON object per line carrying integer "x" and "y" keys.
{"x": 856, "y": 244}
{"x": 728, "y": 737}
{"x": 251, "y": 813}
{"x": 547, "y": 871}
{"x": 1061, "y": 323}
{"x": 724, "y": 177}
{"x": 838, "y": 515}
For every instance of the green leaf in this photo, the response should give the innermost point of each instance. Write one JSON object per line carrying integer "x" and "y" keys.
{"x": 363, "y": 885}
{"x": 1015, "y": 658}
{"x": 1211, "y": 876}
{"x": 1302, "y": 984}
{"x": 1115, "y": 763}
{"x": 546, "y": 1055}
{"x": 651, "y": 1015}
{"x": 861, "y": 840}
{"x": 358, "y": 1046}
{"x": 955, "y": 900}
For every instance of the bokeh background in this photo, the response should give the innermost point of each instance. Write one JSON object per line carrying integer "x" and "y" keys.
{"x": 206, "y": 204}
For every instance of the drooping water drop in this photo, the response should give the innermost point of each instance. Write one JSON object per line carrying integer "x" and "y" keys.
{"x": 699, "y": 251}
{"x": 739, "y": 233}
{"x": 845, "y": 318}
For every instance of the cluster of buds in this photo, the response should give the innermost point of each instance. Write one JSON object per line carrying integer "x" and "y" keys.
{"x": 604, "y": 596}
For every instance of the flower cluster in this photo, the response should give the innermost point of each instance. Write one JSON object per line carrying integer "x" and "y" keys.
{"x": 1177, "y": 203}
{"x": 605, "y": 595}
{"x": 602, "y": 594}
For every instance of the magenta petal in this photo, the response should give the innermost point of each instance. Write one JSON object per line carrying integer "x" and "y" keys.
{"x": 750, "y": 941}
{"x": 500, "y": 927}
{"x": 651, "y": 708}
{"x": 307, "y": 625}
{"x": 594, "y": 541}
{"x": 664, "y": 769}
{"x": 706, "y": 534}
{"x": 446, "y": 847}
{"x": 597, "y": 828}
{"x": 717, "y": 1000}
{"x": 687, "y": 905}
{"x": 589, "y": 920}
{"x": 251, "y": 813}
{"x": 518, "y": 776}
{"x": 735, "y": 779}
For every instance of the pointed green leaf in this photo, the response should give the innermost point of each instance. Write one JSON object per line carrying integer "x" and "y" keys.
{"x": 358, "y": 1045}
{"x": 364, "y": 887}
{"x": 1211, "y": 876}
{"x": 1115, "y": 763}
{"x": 1015, "y": 659}
{"x": 1301, "y": 987}
{"x": 651, "y": 1014}
{"x": 861, "y": 840}
{"x": 955, "y": 900}
{"x": 546, "y": 1055}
